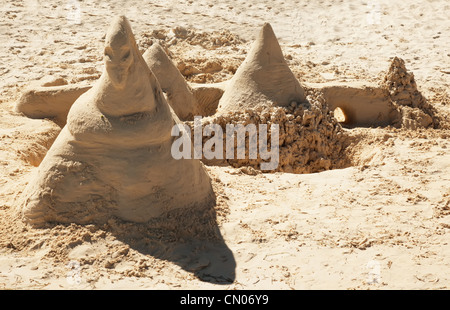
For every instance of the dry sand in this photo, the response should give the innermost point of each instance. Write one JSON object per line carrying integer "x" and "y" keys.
{"x": 381, "y": 223}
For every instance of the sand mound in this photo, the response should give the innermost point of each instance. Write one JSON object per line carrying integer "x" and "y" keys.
{"x": 113, "y": 156}
{"x": 402, "y": 86}
{"x": 179, "y": 94}
{"x": 310, "y": 138}
{"x": 415, "y": 110}
{"x": 263, "y": 79}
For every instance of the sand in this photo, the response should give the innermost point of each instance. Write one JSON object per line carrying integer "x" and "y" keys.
{"x": 379, "y": 223}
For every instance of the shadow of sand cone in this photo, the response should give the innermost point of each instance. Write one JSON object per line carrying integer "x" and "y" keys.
{"x": 263, "y": 79}
{"x": 179, "y": 94}
{"x": 113, "y": 157}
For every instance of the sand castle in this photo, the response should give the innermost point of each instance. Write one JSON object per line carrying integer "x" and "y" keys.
{"x": 263, "y": 79}
{"x": 52, "y": 102}
{"x": 265, "y": 91}
{"x": 113, "y": 159}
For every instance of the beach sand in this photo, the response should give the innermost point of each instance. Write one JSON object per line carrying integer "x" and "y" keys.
{"x": 381, "y": 223}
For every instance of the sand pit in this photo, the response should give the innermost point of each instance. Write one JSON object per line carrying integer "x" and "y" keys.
{"x": 360, "y": 200}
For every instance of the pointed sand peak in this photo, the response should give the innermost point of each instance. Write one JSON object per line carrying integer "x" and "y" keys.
{"x": 157, "y": 55}
{"x": 119, "y": 33}
{"x": 127, "y": 86}
{"x": 266, "y": 48}
{"x": 126, "y": 93}
{"x": 263, "y": 79}
{"x": 179, "y": 93}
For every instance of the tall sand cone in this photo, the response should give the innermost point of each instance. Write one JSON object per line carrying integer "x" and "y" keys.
{"x": 263, "y": 79}
{"x": 179, "y": 95}
{"x": 113, "y": 157}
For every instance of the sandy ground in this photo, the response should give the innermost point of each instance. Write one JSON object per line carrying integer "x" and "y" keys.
{"x": 382, "y": 223}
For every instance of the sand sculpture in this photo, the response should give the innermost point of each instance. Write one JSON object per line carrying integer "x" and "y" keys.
{"x": 179, "y": 95}
{"x": 113, "y": 156}
{"x": 395, "y": 101}
{"x": 263, "y": 79}
{"x": 265, "y": 91}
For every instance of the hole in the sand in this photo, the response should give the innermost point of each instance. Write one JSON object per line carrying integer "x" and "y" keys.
{"x": 339, "y": 115}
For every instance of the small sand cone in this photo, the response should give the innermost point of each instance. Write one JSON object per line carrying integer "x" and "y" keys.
{"x": 263, "y": 79}
{"x": 416, "y": 112}
{"x": 402, "y": 86}
{"x": 113, "y": 157}
{"x": 179, "y": 94}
